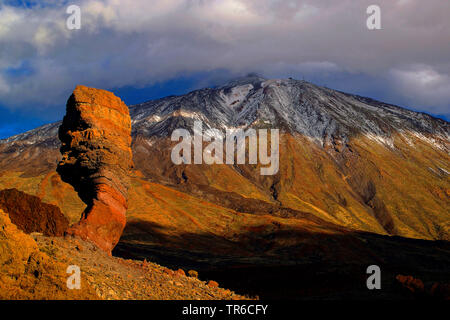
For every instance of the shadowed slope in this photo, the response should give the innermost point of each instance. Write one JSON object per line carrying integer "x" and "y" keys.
{"x": 31, "y": 215}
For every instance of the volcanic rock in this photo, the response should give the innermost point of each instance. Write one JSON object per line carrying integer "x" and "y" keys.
{"x": 96, "y": 160}
{"x": 30, "y": 214}
{"x": 213, "y": 284}
{"x": 27, "y": 272}
{"x": 180, "y": 272}
{"x": 412, "y": 284}
{"x": 441, "y": 291}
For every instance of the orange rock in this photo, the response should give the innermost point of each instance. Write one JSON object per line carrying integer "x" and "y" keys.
{"x": 96, "y": 161}
{"x": 193, "y": 274}
{"x": 169, "y": 272}
{"x": 180, "y": 272}
{"x": 441, "y": 290}
{"x": 212, "y": 284}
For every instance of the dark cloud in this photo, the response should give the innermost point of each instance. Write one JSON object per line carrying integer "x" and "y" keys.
{"x": 139, "y": 42}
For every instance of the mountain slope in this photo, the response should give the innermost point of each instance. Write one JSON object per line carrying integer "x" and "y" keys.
{"x": 349, "y": 160}
{"x": 344, "y": 159}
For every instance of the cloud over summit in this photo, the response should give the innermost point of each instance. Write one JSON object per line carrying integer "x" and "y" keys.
{"x": 138, "y": 42}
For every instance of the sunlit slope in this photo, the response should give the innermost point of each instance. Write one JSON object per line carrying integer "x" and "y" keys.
{"x": 161, "y": 215}
{"x": 372, "y": 188}
{"x": 401, "y": 190}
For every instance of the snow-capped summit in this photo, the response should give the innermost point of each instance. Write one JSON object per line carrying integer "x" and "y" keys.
{"x": 290, "y": 105}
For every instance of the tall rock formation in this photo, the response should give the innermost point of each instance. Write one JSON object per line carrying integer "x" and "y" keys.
{"x": 96, "y": 160}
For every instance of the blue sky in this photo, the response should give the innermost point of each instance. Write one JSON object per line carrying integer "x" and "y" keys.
{"x": 17, "y": 121}
{"x": 35, "y": 3}
{"x": 143, "y": 50}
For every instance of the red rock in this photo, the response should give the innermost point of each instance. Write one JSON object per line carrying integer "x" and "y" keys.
{"x": 193, "y": 274}
{"x": 169, "y": 272}
{"x": 412, "y": 284}
{"x": 30, "y": 214}
{"x": 212, "y": 284}
{"x": 441, "y": 290}
{"x": 96, "y": 161}
{"x": 180, "y": 272}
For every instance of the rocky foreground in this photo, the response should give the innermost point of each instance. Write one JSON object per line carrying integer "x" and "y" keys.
{"x": 34, "y": 267}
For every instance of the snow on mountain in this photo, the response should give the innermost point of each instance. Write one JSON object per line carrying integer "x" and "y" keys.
{"x": 290, "y": 105}
{"x": 318, "y": 113}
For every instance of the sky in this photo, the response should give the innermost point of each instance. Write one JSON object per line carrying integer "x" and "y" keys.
{"x": 142, "y": 50}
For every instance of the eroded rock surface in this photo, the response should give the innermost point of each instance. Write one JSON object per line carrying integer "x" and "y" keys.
{"x": 96, "y": 160}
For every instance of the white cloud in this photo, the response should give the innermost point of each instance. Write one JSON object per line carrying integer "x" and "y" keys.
{"x": 8, "y": 18}
{"x": 4, "y": 88}
{"x": 424, "y": 87}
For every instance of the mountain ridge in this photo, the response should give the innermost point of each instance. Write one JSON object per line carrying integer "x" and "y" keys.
{"x": 160, "y": 108}
{"x": 345, "y": 159}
